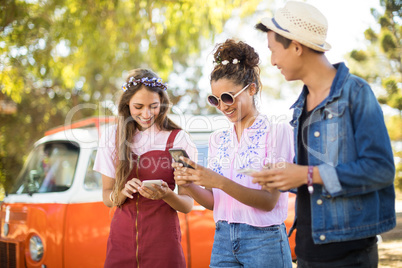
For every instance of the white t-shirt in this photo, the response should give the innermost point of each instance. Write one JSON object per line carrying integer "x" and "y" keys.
{"x": 152, "y": 139}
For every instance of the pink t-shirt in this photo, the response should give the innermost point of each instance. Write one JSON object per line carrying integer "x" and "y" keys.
{"x": 264, "y": 142}
{"x": 151, "y": 139}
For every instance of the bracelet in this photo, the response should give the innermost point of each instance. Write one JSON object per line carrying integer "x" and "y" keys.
{"x": 310, "y": 180}
{"x": 110, "y": 196}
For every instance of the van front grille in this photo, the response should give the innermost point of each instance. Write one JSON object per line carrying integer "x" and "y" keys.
{"x": 8, "y": 255}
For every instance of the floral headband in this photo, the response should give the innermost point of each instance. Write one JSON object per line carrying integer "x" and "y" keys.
{"x": 151, "y": 82}
{"x": 226, "y": 62}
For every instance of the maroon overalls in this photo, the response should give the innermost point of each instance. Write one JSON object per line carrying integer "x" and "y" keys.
{"x": 145, "y": 233}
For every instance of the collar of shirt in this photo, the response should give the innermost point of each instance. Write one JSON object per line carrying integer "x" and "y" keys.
{"x": 251, "y": 146}
{"x": 151, "y": 138}
{"x": 336, "y": 88}
{"x": 151, "y": 131}
{"x": 259, "y": 123}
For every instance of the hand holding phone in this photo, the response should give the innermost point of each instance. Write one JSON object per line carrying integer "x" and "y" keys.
{"x": 176, "y": 153}
{"x": 148, "y": 183}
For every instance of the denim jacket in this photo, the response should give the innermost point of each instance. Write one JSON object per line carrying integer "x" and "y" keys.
{"x": 349, "y": 143}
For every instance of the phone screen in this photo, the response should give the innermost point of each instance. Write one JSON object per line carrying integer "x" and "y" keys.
{"x": 176, "y": 153}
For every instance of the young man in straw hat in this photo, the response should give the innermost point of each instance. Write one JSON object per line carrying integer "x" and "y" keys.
{"x": 344, "y": 169}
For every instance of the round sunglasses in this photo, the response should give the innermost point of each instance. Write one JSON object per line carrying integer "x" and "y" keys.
{"x": 226, "y": 97}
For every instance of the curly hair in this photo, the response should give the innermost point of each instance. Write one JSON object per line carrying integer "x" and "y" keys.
{"x": 245, "y": 72}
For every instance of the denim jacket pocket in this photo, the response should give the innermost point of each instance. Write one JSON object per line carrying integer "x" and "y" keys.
{"x": 332, "y": 115}
{"x": 334, "y": 109}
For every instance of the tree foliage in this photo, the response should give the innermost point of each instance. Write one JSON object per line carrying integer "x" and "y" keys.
{"x": 382, "y": 60}
{"x": 56, "y": 54}
{"x": 381, "y": 65}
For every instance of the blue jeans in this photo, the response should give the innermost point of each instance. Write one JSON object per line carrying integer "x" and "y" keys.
{"x": 365, "y": 258}
{"x": 243, "y": 245}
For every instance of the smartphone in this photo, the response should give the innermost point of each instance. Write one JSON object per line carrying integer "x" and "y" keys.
{"x": 176, "y": 153}
{"x": 148, "y": 183}
{"x": 247, "y": 171}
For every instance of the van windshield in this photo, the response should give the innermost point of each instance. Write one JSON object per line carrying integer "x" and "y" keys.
{"x": 50, "y": 168}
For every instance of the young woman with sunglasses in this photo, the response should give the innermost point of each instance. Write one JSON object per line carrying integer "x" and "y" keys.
{"x": 249, "y": 220}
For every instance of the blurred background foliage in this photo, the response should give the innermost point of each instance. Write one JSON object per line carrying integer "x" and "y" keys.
{"x": 56, "y": 54}
{"x": 381, "y": 65}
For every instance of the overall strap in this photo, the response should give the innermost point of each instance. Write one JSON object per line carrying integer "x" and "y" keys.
{"x": 172, "y": 136}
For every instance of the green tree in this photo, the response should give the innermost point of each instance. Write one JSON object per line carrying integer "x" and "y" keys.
{"x": 381, "y": 65}
{"x": 56, "y": 54}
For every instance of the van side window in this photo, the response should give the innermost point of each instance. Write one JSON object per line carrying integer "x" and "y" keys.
{"x": 93, "y": 179}
{"x": 50, "y": 168}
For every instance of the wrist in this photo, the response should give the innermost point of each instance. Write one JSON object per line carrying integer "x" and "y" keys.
{"x": 220, "y": 182}
{"x": 167, "y": 194}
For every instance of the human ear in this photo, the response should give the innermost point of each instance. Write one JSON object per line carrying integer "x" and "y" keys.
{"x": 252, "y": 89}
{"x": 298, "y": 48}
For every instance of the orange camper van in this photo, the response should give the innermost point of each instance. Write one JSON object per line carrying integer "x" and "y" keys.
{"x": 54, "y": 215}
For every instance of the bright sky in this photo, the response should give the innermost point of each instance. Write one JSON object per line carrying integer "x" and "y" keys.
{"x": 347, "y": 20}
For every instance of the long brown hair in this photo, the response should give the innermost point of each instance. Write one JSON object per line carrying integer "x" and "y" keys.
{"x": 127, "y": 126}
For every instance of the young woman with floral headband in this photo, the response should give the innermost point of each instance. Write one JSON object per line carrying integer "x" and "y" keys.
{"x": 145, "y": 230}
{"x": 249, "y": 220}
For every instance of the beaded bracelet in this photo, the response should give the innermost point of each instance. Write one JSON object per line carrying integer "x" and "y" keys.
{"x": 310, "y": 180}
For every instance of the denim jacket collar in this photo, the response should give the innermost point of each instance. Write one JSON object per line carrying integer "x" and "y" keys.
{"x": 336, "y": 88}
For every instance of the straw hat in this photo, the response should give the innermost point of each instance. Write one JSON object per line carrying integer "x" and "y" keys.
{"x": 300, "y": 22}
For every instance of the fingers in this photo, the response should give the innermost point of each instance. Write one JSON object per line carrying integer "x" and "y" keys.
{"x": 184, "y": 173}
{"x": 161, "y": 190}
{"x": 275, "y": 183}
{"x": 278, "y": 165}
{"x": 180, "y": 170}
{"x": 179, "y": 179}
{"x": 269, "y": 184}
{"x": 156, "y": 192}
{"x": 134, "y": 183}
{"x": 179, "y": 173}
{"x": 263, "y": 176}
{"x": 147, "y": 192}
{"x": 267, "y": 188}
{"x": 189, "y": 162}
{"x": 177, "y": 165}
{"x": 131, "y": 187}
{"x": 180, "y": 166}
{"x": 269, "y": 179}
{"x": 127, "y": 194}
{"x": 183, "y": 183}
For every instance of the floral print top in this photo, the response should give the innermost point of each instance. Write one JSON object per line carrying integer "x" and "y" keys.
{"x": 262, "y": 143}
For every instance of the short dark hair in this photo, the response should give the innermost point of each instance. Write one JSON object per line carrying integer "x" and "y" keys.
{"x": 261, "y": 27}
{"x": 279, "y": 38}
